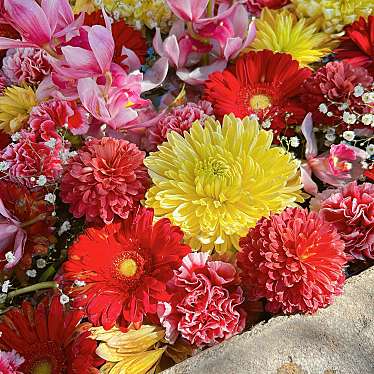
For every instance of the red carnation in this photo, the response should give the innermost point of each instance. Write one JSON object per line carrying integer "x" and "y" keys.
{"x": 105, "y": 179}
{"x": 49, "y": 338}
{"x": 205, "y": 307}
{"x": 265, "y": 84}
{"x": 294, "y": 260}
{"x": 351, "y": 210}
{"x": 357, "y": 45}
{"x": 124, "y": 268}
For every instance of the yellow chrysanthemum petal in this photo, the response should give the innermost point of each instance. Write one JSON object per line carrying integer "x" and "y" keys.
{"x": 217, "y": 181}
{"x": 15, "y": 106}
{"x": 281, "y": 31}
{"x": 333, "y": 15}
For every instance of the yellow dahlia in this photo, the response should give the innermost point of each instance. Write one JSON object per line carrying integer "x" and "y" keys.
{"x": 15, "y": 106}
{"x": 333, "y": 15}
{"x": 216, "y": 182}
{"x": 281, "y": 31}
{"x": 129, "y": 352}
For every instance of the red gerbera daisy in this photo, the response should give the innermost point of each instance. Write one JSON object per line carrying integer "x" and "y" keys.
{"x": 262, "y": 83}
{"x": 49, "y": 338}
{"x": 357, "y": 45}
{"x": 125, "y": 268}
{"x": 123, "y": 35}
{"x": 295, "y": 260}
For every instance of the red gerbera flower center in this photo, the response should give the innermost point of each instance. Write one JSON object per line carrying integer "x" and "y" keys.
{"x": 258, "y": 102}
{"x": 258, "y": 98}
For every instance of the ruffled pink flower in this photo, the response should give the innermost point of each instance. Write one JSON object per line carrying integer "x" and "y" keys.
{"x": 26, "y": 65}
{"x": 351, "y": 210}
{"x": 179, "y": 119}
{"x": 10, "y": 362}
{"x": 205, "y": 307}
{"x": 4, "y": 82}
{"x": 255, "y": 6}
{"x": 104, "y": 180}
{"x": 31, "y": 158}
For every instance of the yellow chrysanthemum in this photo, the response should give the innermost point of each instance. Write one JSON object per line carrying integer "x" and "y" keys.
{"x": 281, "y": 31}
{"x": 333, "y": 15}
{"x": 133, "y": 352}
{"x": 216, "y": 182}
{"x": 15, "y": 106}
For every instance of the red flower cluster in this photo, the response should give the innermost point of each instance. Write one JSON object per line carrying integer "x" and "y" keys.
{"x": 294, "y": 260}
{"x": 264, "y": 84}
{"x": 105, "y": 179}
{"x": 125, "y": 268}
{"x": 205, "y": 307}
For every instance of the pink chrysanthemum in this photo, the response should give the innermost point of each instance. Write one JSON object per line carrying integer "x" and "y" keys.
{"x": 351, "y": 210}
{"x": 30, "y": 158}
{"x": 10, "y": 362}
{"x": 104, "y": 180}
{"x": 294, "y": 260}
{"x": 179, "y": 119}
{"x": 26, "y": 65}
{"x": 205, "y": 307}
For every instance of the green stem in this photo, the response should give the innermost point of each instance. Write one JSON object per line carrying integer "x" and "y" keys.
{"x": 210, "y": 8}
{"x": 34, "y": 287}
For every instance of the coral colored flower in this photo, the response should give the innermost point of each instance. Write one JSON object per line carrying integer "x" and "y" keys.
{"x": 106, "y": 179}
{"x": 333, "y": 85}
{"x": 351, "y": 210}
{"x": 10, "y": 362}
{"x": 255, "y": 6}
{"x": 26, "y": 224}
{"x": 30, "y": 158}
{"x": 357, "y": 45}
{"x": 264, "y": 84}
{"x": 179, "y": 119}
{"x": 217, "y": 181}
{"x": 281, "y": 31}
{"x": 26, "y": 66}
{"x": 294, "y": 260}
{"x": 51, "y": 339}
{"x": 137, "y": 253}
{"x": 205, "y": 307}
{"x": 15, "y": 106}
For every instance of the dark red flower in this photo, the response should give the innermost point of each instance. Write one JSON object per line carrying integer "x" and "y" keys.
{"x": 357, "y": 45}
{"x": 255, "y": 6}
{"x": 294, "y": 260}
{"x": 125, "y": 268}
{"x": 49, "y": 338}
{"x": 5, "y": 139}
{"x": 265, "y": 84}
{"x": 7, "y": 31}
{"x": 123, "y": 35}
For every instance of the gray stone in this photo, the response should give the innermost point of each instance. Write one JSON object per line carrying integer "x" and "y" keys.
{"x": 337, "y": 340}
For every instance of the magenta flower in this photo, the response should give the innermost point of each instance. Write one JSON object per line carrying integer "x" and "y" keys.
{"x": 10, "y": 362}
{"x": 188, "y": 10}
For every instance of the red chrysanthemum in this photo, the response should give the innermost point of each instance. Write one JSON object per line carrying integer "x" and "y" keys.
{"x": 294, "y": 260}
{"x": 333, "y": 85}
{"x": 351, "y": 211}
{"x": 262, "y": 83}
{"x": 123, "y": 35}
{"x": 34, "y": 215}
{"x": 105, "y": 179}
{"x": 125, "y": 268}
{"x": 255, "y": 6}
{"x": 206, "y": 305}
{"x": 49, "y": 338}
{"x": 357, "y": 45}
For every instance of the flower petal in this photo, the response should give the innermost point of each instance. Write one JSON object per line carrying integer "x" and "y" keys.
{"x": 102, "y": 45}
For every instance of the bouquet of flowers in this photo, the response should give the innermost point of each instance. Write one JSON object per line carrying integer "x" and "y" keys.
{"x": 174, "y": 172}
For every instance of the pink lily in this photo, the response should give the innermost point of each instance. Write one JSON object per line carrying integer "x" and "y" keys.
{"x": 41, "y": 26}
{"x": 338, "y": 167}
{"x": 11, "y": 236}
{"x": 188, "y": 10}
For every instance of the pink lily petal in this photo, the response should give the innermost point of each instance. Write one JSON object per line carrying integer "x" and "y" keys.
{"x": 232, "y": 47}
{"x": 123, "y": 119}
{"x": 188, "y": 10}
{"x": 71, "y": 29}
{"x": 154, "y": 76}
{"x": 130, "y": 59}
{"x": 158, "y": 44}
{"x": 251, "y": 34}
{"x": 80, "y": 59}
{"x": 311, "y": 142}
{"x": 171, "y": 49}
{"x": 6, "y": 43}
{"x": 306, "y": 179}
{"x": 50, "y": 8}
{"x": 102, "y": 45}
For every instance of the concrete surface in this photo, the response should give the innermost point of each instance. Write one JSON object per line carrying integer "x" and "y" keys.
{"x": 337, "y": 340}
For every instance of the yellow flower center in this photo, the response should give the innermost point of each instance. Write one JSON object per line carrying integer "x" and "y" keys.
{"x": 258, "y": 102}
{"x": 42, "y": 367}
{"x": 128, "y": 267}
{"x": 212, "y": 168}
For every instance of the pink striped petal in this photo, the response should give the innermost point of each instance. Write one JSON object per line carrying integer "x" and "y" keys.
{"x": 102, "y": 45}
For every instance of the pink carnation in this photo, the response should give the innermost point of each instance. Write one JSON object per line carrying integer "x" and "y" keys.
{"x": 30, "y": 158}
{"x": 351, "y": 210}
{"x": 179, "y": 119}
{"x": 10, "y": 362}
{"x": 26, "y": 65}
{"x": 205, "y": 306}
{"x": 105, "y": 179}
